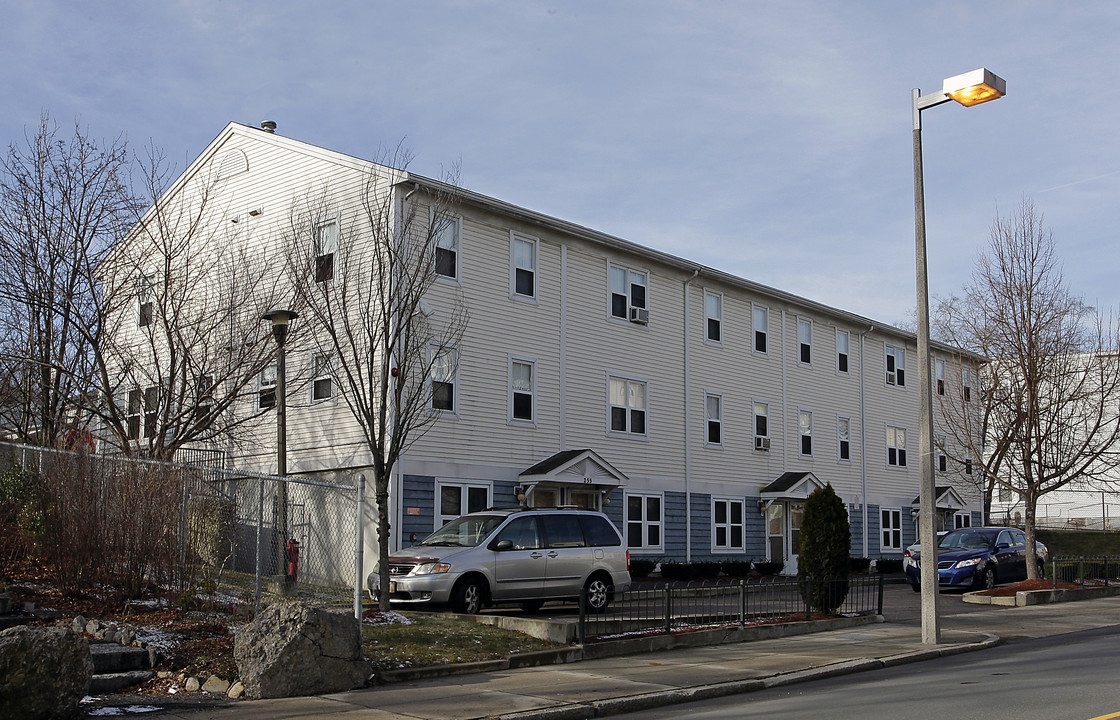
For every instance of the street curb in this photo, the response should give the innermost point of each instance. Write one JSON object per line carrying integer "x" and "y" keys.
{"x": 1024, "y": 598}
{"x": 661, "y": 698}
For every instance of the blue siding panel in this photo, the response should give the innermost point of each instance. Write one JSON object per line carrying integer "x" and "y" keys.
{"x": 418, "y": 491}
{"x": 673, "y": 525}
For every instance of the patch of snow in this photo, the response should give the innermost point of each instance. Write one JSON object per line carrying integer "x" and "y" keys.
{"x": 388, "y": 618}
{"x": 105, "y": 712}
{"x": 141, "y": 709}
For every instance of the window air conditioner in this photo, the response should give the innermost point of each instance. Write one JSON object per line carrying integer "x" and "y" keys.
{"x": 639, "y": 315}
{"x": 762, "y": 443}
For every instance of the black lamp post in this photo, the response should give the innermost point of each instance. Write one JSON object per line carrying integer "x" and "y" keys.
{"x": 280, "y": 320}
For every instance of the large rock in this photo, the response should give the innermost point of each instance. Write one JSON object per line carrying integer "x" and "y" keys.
{"x": 296, "y": 649}
{"x": 44, "y": 672}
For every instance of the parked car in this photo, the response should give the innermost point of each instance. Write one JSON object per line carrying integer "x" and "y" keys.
{"x": 524, "y": 556}
{"x": 976, "y": 557}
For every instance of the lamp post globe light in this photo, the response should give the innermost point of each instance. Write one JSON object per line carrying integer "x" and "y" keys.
{"x": 971, "y": 88}
{"x": 280, "y": 320}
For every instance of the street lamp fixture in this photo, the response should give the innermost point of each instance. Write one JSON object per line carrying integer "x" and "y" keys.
{"x": 971, "y": 88}
{"x": 280, "y": 320}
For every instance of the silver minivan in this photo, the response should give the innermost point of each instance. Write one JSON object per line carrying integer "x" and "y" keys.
{"x": 523, "y": 556}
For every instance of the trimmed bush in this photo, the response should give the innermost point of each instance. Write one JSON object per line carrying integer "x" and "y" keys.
{"x": 769, "y": 568}
{"x": 736, "y": 568}
{"x": 641, "y": 567}
{"x": 888, "y": 565}
{"x": 679, "y": 571}
{"x": 705, "y": 570}
{"x": 826, "y": 540}
{"x": 860, "y": 565}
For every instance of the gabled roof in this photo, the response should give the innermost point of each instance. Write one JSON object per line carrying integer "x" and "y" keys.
{"x": 791, "y": 485}
{"x": 580, "y": 467}
{"x": 946, "y": 498}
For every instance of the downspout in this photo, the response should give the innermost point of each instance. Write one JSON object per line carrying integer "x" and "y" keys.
{"x": 687, "y": 429}
{"x": 785, "y": 402}
{"x": 563, "y": 349}
{"x": 863, "y": 437}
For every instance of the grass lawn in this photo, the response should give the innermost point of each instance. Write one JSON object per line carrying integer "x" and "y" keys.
{"x": 418, "y": 639}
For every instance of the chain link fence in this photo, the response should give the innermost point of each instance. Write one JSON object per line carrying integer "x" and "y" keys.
{"x": 191, "y": 528}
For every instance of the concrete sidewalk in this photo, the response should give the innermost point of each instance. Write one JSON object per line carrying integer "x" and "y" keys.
{"x": 598, "y": 688}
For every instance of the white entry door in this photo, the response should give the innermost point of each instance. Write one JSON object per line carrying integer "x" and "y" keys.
{"x": 783, "y": 533}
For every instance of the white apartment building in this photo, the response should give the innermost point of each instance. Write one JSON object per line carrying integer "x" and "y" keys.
{"x": 696, "y": 408}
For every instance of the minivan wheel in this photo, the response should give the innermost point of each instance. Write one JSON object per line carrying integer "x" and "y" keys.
{"x": 598, "y": 594}
{"x": 467, "y": 597}
{"x": 987, "y": 580}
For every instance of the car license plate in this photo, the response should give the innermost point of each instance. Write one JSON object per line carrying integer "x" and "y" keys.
{"x": 392, "y": 586}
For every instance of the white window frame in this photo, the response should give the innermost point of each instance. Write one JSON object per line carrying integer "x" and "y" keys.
{"x": 710, "y": 421}
{"x": 629, "y": 275}
{"x": 966, "y": 384}
{"x": 713, "y": 317}
{"x": 890, "y": 530}
{"x": 644, "y": 522}
{"x": 516, "y": 266}
{"x": 145, "y": 301}
{"x": 434, "y": 353}
{"x": 266, "y": 384}
{"x": 439, "y": 518}
{"x": 320, "y": 371}
{"x": 962, "y": 520}
{"x": 627, "y": 382}
{"x": 514, "y": 391}
{"x": 892, "y": 438}
{"x": 204, "y": 399}
{"x": 939, "y": 377}
{"x": 843, "y": 356}
{"x": 728, "y": 526}
{"x": 804, "y": 432}
{"x": 843, "y": 435}
{"x": 942, "y": 465}
{"x": 805, "y": 341}
{"x": 765, "y": 414}
{"x": 440, "y": 224}
{"x": 325, "y": 247}
{"x": 896, "y": 357}
{"x": 763, "y": 312}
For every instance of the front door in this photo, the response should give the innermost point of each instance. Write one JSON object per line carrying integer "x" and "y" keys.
{"x": 783, "y": 533}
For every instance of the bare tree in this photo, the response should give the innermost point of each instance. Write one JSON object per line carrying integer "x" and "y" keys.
{"x": 364, "y": 290}
{"x": 180, "y": 341}
{"x": 64, "y": 203}
{"x": 1047, "y": 410}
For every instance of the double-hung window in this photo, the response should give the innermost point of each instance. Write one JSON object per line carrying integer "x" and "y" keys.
{"x": 896, "y": 446}
{"x": 146, "y": 301}
{"x": 727, "y": 524}
{"x": 890, "y": 525}
{"x": 843, "y": 340}
{"x": 522, "y": 391}
{"x": 135, "y": 403}
{"x": 151, "y": 411}
{"x": 322, "y": 382}
{"x": 628, "y": 406}
{"x": 713, "y": 415}
{"x": 962, "y": 520}
{"x": 942, "y": 459}
{"x": 643, "y": 521}
{"x": 939, "y": 374}
{"x": 445, "y": 367}
{"x": 523, "y": 262}
{"x": 805, "y": 428}
{"x": 896, "y": 366}
{"x": 628, "y": 293}
{"x": 459, "y": 498}
{"x": 844, "y": 437}
{"x": 266, "y": 387}
{"x": 805, "y": 340}
{"x": 761, "y": 318}
{"x": 761, "y": 426}
{"x": 966, "y": 384}
{"x": 713, "y": 316}
{"x": 326, "y": 247}
{"x": 445, "y": 241}
{"x": 204, "y": 400}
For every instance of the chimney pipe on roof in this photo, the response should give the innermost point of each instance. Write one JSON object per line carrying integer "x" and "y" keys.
{"x": 269, "y": 126}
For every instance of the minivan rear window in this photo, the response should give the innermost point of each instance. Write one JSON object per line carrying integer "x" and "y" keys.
{"x": 599, "y": 531}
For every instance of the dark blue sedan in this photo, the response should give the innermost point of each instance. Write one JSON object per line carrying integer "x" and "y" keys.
{"x": 977, "y": 558}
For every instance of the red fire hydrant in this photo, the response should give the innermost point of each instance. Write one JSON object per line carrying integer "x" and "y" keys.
{"x": 292, "y": 551}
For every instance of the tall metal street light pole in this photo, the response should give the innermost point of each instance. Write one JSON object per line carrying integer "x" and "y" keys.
{"x": 971, "y": 88}
{"x": 280, "y": 320}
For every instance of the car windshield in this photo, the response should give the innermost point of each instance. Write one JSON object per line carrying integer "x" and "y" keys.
{"x": 967, "y": 539}
{"x": 467, "y": 531}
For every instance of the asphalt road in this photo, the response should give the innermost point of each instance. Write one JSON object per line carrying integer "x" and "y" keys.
{"x": 1066, "y": 676}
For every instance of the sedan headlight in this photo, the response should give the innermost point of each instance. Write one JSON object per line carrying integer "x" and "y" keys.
{"x": 432, "y": 568}
{"x": 969, "y": 563}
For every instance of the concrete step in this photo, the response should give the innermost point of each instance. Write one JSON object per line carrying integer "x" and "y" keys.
{"x": 113, "y": 658}
{"x": 103, "y": 683}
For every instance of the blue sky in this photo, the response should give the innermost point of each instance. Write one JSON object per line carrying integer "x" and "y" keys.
{"x": 768, "y": 139}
